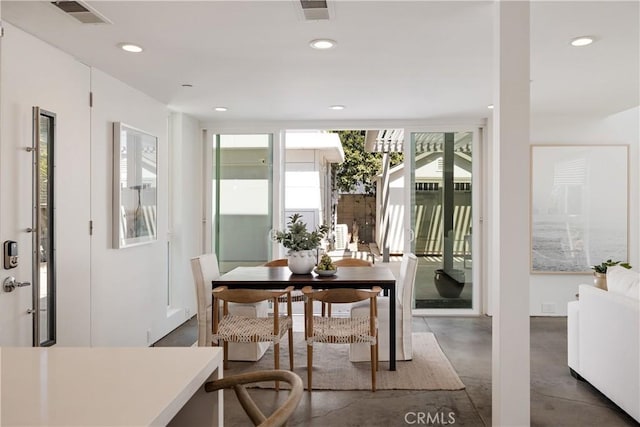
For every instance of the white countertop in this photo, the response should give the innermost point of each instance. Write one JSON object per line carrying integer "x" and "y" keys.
{"x": 67, "y": 386}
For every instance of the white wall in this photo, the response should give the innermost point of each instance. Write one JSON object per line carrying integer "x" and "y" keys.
{"x": 129, "y": 286}
{"x": 186, "y": 209}
{"x": 62, "y": 87}
{"x": 621, "y": 128}
{"x": 105, "y": 296}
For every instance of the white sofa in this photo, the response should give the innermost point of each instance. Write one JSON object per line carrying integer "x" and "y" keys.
{"x": 604, "y": 338}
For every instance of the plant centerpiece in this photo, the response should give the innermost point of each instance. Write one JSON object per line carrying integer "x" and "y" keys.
{"x": 600, "y": 272}
{"x": 302, "y": 244}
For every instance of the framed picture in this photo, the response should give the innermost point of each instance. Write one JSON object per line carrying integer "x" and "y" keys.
{"x": 135, "y": 160}
{"x": 579, "y": 206}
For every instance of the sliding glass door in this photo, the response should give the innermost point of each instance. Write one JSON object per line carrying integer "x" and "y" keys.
{"x": 241, "y": 193}
{"x": 441, "y": 209}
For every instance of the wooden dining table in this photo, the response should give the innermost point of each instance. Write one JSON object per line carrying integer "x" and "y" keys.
{"x": 347, "y": 277}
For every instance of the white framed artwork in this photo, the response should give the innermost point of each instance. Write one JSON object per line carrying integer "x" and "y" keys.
{"x": 135, "y": 161}
{"x": 579, "y": 206}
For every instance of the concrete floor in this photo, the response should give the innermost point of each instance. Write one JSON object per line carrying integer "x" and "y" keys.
{"x": 557, "y": 399}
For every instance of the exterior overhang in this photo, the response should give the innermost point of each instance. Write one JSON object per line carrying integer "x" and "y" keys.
{"x": 328, "y": 143}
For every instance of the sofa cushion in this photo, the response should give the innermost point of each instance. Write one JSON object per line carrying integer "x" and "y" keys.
{"x": 623, "y": 281}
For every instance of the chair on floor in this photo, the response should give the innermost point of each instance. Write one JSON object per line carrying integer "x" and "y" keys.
{"x": 280, "y": 262}
{"x": 404, "y": 300}
{"x": 282, "y": 414}
{"x": 205, "y": 270}
{"x": 346, "y": 262}
{"x": 342, "y": 330}
{"x": 296, "y": 295}
{"x": 233, "y": 328}
{"x": 352, "y": 262}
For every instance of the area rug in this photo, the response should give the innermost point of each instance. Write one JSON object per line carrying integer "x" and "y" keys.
{"x": 429, "y": 370}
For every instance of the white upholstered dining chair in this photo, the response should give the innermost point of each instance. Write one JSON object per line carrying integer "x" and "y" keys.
{"x": 404, "y": 299}
{"x": 205, "y": 270}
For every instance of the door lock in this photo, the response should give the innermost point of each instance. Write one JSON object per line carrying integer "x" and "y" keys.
{"x": 9, "y": 284}
{"x": 10, "y": 254}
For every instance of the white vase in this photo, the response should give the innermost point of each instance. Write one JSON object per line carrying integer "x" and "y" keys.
{"x": 302, "y": 262}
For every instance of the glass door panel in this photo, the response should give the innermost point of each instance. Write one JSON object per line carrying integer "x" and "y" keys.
{"x": 242, "y": 199}
{"x": 441, "y": 199}
{"x": 44, "y": 298}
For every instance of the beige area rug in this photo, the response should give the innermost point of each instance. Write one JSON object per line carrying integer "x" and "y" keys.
{"x": 429, "y": 370}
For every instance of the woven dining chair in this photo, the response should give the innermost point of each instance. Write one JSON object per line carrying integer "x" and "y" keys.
{"x": 352, "y": 262}
{"x": 280, "y": 262}
{"x": 236, "y": 328}
{"x": 342, "y": 330}
{"x": 205, "y": 270}
{"x": 296, "y": 294}
{"x": 346, "y": 262}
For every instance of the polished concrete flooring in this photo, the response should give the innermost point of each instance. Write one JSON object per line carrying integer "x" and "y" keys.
{"x": 557, "y": 399}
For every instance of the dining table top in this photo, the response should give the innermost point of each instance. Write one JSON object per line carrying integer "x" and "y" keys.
{"x": 356, "y": 276}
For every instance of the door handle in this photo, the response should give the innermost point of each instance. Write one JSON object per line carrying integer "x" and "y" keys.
{"x": 10, "y": 283}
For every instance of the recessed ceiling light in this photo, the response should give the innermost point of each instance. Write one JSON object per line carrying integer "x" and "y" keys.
{"x": 130, "y": 47}
{"x": 220, "y": 108}
{"x": 337, "y": 107}
{"x": 582, "y": 41}
{"x": 322, "y": 44}
{"x": 490, "y": 106}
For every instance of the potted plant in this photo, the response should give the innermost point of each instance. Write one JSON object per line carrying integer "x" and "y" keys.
{"x": 600, "y": 272}
{"x": 302, "y": 244}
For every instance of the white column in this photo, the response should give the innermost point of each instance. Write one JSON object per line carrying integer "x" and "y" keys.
{"x": 511, "y": 355}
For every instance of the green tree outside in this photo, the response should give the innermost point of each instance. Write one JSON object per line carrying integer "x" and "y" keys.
{"x": 359, "y": 166}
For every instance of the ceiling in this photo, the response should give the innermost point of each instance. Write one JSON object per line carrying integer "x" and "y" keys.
{"x": 394, "y": 60}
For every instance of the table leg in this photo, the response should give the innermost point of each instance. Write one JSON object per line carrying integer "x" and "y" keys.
{"x": 392, "y": 327}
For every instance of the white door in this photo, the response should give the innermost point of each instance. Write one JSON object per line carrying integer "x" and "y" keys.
{"x": 62, "y": 87}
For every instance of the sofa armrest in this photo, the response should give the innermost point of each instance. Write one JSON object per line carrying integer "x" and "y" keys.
{"x": 609, "y": 345}
{"x": 573, "y": 353}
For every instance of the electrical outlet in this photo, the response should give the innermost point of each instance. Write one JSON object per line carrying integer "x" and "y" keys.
{"x": 548, "y": 307}
{"x": 149, "y": 336}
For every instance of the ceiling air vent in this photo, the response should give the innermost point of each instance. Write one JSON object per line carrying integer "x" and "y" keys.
{"x": 314, "y": 9}
{"x": 81, "y": 11}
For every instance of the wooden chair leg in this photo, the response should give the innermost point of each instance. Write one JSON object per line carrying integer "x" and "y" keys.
{"x": 305, "y": 318}
{"x": 276, "y": 361}
{"x": 323, "y": 308}
{"x": 225, "y": 352}
{"x": 377, "y": 357}
{"x": 291, "y": 349}
{"x": 309, "y": 366}
{"x": 374, "y": 363}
